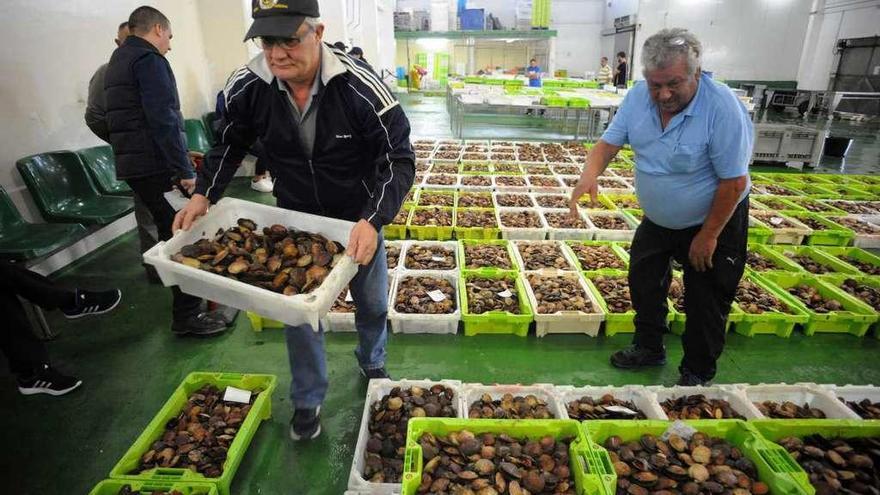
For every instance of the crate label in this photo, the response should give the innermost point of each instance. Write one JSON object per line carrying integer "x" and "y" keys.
{"x": 776, "y": 221}
{"x": 438, "y": 259}
{"x": 348, "y": 297}
{"x": 621, "y": 410}
{"x": 437, "y": 295}
{"x": 506, "y": 293}
{"x": 237, "y": 395}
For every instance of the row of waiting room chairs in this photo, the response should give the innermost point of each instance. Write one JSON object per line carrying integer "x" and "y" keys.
{"x": 73, "y": 190}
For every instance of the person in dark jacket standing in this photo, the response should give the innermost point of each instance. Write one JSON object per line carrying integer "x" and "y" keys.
{"x": 337, "y": 143}
{"x": 148, "y": 139}
{"x": 96, "y": 120}
{"x": 620, "y": 71}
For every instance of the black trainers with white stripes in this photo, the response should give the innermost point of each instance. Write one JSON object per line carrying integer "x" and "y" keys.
{"x": 92, "y": 303}
{"x": 48, "y": 381}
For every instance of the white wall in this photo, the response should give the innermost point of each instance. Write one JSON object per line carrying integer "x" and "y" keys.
{"x": 833, "y": 20}
{"x": 742, "y": 39}
{"x": 53, "y": 48}
{"x": 224, "y": 24}
{"x": 579, "y": 23}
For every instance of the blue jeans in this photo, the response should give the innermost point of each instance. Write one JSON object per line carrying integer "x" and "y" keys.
{"x": 305, "y": 347}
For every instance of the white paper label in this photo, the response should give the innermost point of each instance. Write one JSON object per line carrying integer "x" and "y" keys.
{"x": 437, "y": 295}
{"x": 237, "y": 395}
{"x": 621, "y": 410}
{"x": 776, "y": 221}
{"x": 506, "y": 293}
{"x": 348, "y": 297}
{"x": 438, "y": 259}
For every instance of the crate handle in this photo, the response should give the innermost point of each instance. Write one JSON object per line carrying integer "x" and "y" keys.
{"x": 169, "y": 473}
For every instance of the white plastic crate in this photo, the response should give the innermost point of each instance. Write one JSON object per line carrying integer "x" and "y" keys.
{"x": 528, "y": 233}
{"x": 784, "y": 235}
{"x": 641, "y": 397}
{"x": 536, "y": 188}
{"x": 565, "y": 321}
{"x": 543, "y": 391}
{"x": 293, "y": 310}
{"x": 518, "y": 258}
{"x": 401, "y": 245}
{"x": 424, "y": 323}
{"x": 522, "y": 193}
{"x": 732, "y": 394}
{"x": 537, "y": 197}
{"x": 559, "y": 233}
{"x": 867, "y": 241}
{"x": 453, "y": 245}
{"x": 508, "y": 188}
{"x": 854, "y": 393}
{"x": 800, "y": 394}
{"x": 427, "y": 185}
{"x": 611, "y": 234}
{"x": 375, "y": 391}
{"x": 338, "y": 322}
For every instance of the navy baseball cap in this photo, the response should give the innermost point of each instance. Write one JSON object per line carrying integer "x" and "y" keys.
{"x": 280, "y": 17}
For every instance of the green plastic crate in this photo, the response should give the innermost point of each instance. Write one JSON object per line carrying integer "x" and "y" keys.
{"x": 260, "y": 411}
{"x": 817, "y": 179}
{"x": 833, "y": 234}
{"x": 615, "y": 248}
{"x": 796, "y": 189}
{"x": 258, "y": 323}
{"x": 498, "y": 242}
{"x": 581, "y": 457}
{"x": 773, "y": 430}
{"x": 617, "y": 322}
{"x": 430, "y": 232}
{"x": 776, "y": 202}
{"x": 487, "y": 233}
{"x": 837, "y": 279}
{"x": 855, "y": 318}
{"x": 554, "y": 101}
{"x": 771, "y": 322}
{"x": 394, "y": 232}
{"x": 635, "y": 215}
{"x": 112, "y": 487}
{"x": 758, "y": 233}
{"x": 820, "y": 207}
{"x": 495, "y": 322}
{"x": 775, "y": 467}
{"x": 870, "y": 180}
{"x": 818, "y": 192}
{"x": 784, "y": 264}
{"x": 852, "y": 193}
{"x": 817, "y": 255}
{"x": 854, "y": 253}
{"x": 576, "y": 102}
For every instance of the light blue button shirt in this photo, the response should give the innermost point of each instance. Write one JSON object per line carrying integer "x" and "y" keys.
{"x": 678, "y": 168}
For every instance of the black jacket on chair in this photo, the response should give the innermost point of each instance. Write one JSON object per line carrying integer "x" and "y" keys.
{"x": 143, "y": 113}
{"x": 362, "y": 164}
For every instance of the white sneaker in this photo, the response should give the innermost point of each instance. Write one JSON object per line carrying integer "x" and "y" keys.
{"x": 263, "y": 185}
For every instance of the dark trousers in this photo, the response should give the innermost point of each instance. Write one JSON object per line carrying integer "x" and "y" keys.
{"x": 707, "y": 297}
{"x": 24, "y": 351}
{"x": 151, "y": 192}
{"x": 260, "y": 164}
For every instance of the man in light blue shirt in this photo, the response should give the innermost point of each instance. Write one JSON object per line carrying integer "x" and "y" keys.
{"x": 692, "y": 140}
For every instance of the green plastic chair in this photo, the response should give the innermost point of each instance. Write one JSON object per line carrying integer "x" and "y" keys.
{"x": 65, "y": 193}
{"x": 197, "y": 138}
{"x": 101, "y": 166}
{"x": 22, "y": 240}
{"x": 208, "y": 120}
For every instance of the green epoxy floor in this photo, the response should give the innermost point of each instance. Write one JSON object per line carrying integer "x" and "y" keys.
{"x": 130, "y": 363}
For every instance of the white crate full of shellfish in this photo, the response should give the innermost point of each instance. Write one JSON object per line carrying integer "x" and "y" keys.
{"x": 565, "y": 321}
{"x": 733, "y": 395}
{"x": 376, "y": 390}
{"x": 543, "y": 393}
{"x": 855, "y": 394}
{"x": 436, "y": 323}
{"x": 292, "y": 310}
{"x": 639, "y": 396}
{"x": 432, "y": 256}
{"x": 801, "y": 394}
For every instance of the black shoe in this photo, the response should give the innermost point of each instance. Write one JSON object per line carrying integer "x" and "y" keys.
{"x": 375, "y": 373}
{"x": 306, "y": 424}
{"x": 202, "y": 324}
{"x": 48, "y": 381}
{"x": 691, "y": 379}
{"x": 638, "y": 357}
{"x": 92, "y": 303}
{"x": 225, "y": 314}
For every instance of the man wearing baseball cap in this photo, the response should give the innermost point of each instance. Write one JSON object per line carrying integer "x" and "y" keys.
{"x": 337, "y": 143}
